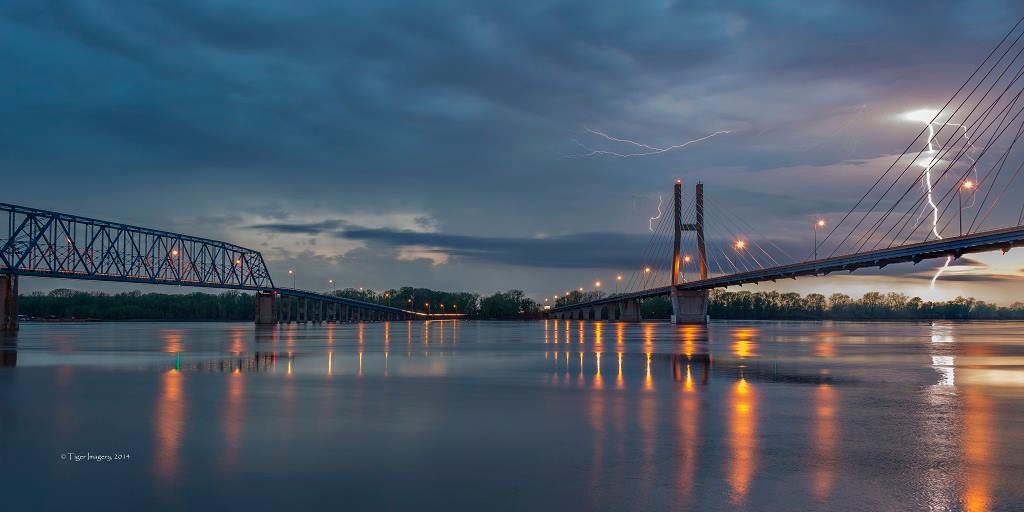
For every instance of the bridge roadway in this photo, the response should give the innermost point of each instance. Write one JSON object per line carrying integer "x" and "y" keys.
{"x": 998, "y": 239}
{"x": 341, "y": 308}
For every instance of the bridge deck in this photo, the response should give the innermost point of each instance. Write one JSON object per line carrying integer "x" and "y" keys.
{"x": 999, "y": 239}
{"x": 304, "y": 294}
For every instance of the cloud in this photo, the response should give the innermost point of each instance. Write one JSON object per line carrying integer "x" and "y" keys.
{"x": 312, "y": 228}
{"x": 583, "y": 250}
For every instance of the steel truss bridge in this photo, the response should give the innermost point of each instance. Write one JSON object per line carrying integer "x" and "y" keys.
{"x": 42, "y": 243}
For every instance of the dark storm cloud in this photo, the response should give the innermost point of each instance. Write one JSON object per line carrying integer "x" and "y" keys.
{"x": 243, "y": 82}
{"x": 583, "y": 250}
{"x": 310, "y": 228}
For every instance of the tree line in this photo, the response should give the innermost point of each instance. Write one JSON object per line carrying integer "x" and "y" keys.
{"x": 840, "y": 306}
{"x": 514, "y": 304}
{"x": 237, "y": 306}
{"x": 771, "y": 305}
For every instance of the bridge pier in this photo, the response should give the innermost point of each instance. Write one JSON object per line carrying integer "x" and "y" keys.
{"x": 265, "y": 302}
{"x": 689, "y": 306}
{"x": 8, "y": 303}
{"x": 629, "y": 311}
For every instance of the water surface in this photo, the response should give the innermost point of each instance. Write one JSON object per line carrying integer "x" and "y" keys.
{"x": 548, "y": 415}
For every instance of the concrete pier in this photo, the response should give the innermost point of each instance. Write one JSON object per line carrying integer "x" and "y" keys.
{"x": 8, "y": 303}
{"x": 265, "y": 314}
{"x": 689, "y": 307}
{"x": 629, "y": 311}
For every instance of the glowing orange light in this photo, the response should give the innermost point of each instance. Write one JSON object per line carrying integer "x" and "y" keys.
{"x": 174, "y": 252}
{"x": 740, "y": 244}
{"x": 686, "y": 259}
{"x": 821, "y": 223}
{"x": 597, "y": 284}
{"x": 618, "y": 278}
{"x": 647, "y": 269}
{"x": 968, "y": 184}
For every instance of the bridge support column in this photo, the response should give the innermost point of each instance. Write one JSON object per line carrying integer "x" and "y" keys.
{"x": 629, "y": 311}
{"x": 689, "y": 306}
{"x": 265, "y": 302}
{"x": 8, "y": 303}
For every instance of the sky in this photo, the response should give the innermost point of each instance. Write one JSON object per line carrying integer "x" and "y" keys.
{"x": 441, "y": 143}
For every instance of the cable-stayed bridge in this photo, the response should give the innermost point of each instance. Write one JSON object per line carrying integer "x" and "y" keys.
{"x": 953, "y": 190}
{"x": 42, "y": 243}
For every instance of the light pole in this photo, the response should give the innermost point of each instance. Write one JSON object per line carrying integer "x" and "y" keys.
{"x": 820, "y": 223}
{"x": 333, "y": 289}
{"x": 617, "y": 279}
{"x": 966, "y": 185}
{"x": 682, "y": 271}
{"x": 292, "y": 273}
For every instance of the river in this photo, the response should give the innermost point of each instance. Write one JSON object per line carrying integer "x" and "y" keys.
{"x": 544, "y": 415}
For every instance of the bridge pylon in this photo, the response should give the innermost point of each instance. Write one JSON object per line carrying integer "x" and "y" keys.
{"x": 689, "y": 306}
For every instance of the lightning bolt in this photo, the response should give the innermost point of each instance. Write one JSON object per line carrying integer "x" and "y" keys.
{"x": 928, "y": 117}
{"x": 644, "y": 149}
{"x": 650, "y": 222}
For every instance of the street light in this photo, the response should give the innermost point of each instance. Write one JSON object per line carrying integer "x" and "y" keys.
{"x": 647, "y": 270}
{"x": 331, "y": 282}
{"x": 597, "y": 284}
{"x": 292, "y": 273}
{"x": 967, "y": 185}
{"x": 820, "y": 223}
{"x": 740, "y": 244}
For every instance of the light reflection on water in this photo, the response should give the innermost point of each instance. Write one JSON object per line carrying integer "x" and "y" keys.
{"x": 598, "y": 415}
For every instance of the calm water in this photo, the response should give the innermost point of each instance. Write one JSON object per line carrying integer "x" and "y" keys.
{"x": 514, "y": 416}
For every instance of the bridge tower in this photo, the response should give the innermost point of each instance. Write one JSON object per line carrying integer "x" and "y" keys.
{"x": 8, "y": 303}
{"x": 689, "y": 306}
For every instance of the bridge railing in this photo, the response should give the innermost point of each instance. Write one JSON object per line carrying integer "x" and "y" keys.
{"x": 50, "y": 244}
